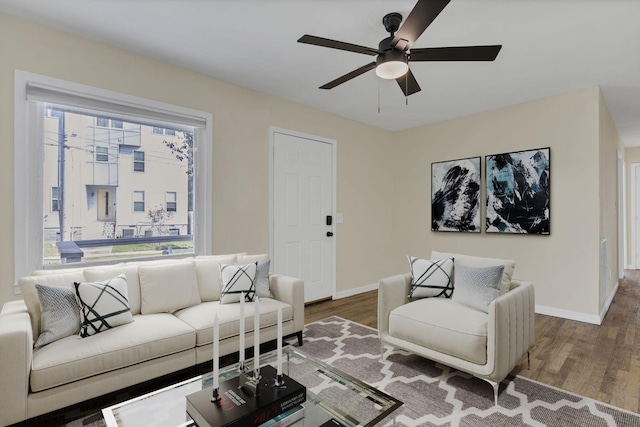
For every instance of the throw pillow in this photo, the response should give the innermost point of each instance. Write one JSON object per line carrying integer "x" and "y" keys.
{"x": 430, "y": 278}
{"x": 474, "y": 261}
{"x": 237, "y": 279}
{"x": 165, "y": 288}
{"x": 262, "y": 280}
{"x": 477, "y": 287}
{"x": 60, "y": 314}
{"x": 103, "y": 305}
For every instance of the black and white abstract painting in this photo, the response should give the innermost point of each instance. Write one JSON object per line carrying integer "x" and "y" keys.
{"x": 518, "y": 192}
{"x": 455, "y": 195}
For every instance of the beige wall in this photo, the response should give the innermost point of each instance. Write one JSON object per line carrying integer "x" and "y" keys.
{"x": 241, "y": 121}
{"x": 383, "y": 186}
{"x": 564, "y": 265}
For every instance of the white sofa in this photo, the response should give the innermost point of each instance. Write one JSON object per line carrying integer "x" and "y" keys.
{"x": 485, "y": 345}
{"x": 160, "y": 340}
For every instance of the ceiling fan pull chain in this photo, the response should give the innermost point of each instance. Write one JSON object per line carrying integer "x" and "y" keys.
{"x": 378, "y": 96}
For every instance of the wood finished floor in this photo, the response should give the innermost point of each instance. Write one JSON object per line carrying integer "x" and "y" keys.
{"x": 601, "y": 362}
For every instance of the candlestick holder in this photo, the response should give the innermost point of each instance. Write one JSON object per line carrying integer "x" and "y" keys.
{"x": 215, "y": 397}
{"x": 250, "y": 383}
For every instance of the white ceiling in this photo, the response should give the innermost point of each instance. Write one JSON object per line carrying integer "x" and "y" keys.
{"x": 549, "y": 47}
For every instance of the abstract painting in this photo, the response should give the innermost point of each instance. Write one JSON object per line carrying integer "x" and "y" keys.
{"x": 455, "y": 195}
{"x": 518, "y": 192}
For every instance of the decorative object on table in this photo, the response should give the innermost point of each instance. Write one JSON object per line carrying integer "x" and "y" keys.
{"x": 237, "y": 407}
{"x": 518, "y": 192}
{"x": 455, "y": 195}
{"x": 251, "y": 398}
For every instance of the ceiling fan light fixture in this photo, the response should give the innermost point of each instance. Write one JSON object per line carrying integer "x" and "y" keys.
{"x": 391, "y": 70}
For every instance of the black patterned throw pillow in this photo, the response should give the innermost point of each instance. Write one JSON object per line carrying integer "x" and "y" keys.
{"x": 103, "y": 305}
{"x": 237, "y": 279}
{"x": 431, "y": 278}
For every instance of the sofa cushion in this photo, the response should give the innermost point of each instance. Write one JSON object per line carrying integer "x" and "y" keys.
{"x": 30, "y": 294}
{"x": 477, "y": 287}
{"x": 103, "y": 305}
{"x": 431, "y": 278}
{"x": 208, "y": 275}
{"x": 97, "y": 274}
{"x": 238, "y": 279}
{"x": 73, "y": 358}
{"x": 168, "y": 287}
{"x": 60, "y": 313}
{"x": 444, "y": 326}
{"x": 200, "y": 317}
{"x": 474, "y": 261}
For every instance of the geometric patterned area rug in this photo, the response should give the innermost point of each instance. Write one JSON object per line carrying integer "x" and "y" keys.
{"x": 436, "y": 395}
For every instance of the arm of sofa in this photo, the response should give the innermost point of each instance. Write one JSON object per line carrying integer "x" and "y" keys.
{"x": 392, "y": 292}
{"x": 16, "y": 353}
{"x": 511, "y": 328}
{"x": 289, "y": 290}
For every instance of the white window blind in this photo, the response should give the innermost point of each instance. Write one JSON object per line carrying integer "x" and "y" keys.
{"x": 83, "y": 104}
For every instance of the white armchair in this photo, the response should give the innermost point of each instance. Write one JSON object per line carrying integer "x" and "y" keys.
{"x": 487, "y": 346}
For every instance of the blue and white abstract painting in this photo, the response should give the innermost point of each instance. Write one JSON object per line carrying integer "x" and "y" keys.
{"x": 518, "y": 192}
{"x": 455, "y": 195}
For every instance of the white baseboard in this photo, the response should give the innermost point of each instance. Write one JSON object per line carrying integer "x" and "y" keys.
{"x": 566, "y": 314}
{"x": 629, "y": 267}
{"x": 356, "y": 291}
{"x": 580, "y": 317}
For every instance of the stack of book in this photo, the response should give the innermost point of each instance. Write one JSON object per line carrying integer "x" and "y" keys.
{"x": 241, "y": 408}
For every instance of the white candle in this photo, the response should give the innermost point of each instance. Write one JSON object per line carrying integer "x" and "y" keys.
{"x": 241, "y": 328}
{"x": 216, "y": 351}
{"x": 279, "y": 339}
{"x": 256, "y": 335}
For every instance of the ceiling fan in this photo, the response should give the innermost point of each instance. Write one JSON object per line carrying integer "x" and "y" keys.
{"x": 394, "y": 53}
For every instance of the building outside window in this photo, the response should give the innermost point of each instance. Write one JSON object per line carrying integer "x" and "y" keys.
{"x": 138, "y": 161}
{"x": 171, "y": 201}
{"x": 138, "y": 201}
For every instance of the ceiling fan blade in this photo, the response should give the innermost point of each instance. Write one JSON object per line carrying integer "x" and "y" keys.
{"x": 458, "y": 53}
{"x": 422, "y": 15}
{"x": 334, "y": 44}
{"x": 408, "y": 84}
{"x": 349, "y": 76}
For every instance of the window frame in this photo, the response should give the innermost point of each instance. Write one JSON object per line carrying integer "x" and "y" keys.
{"x": 138, "y": 200}
{"x": 55, "y": 198}
{"x": 138, "y": 161}
{"x": 28, "y": 150}
{"x": 167, "y": 200}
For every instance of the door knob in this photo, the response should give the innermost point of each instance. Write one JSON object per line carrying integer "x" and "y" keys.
{"x": 329, "y": 233}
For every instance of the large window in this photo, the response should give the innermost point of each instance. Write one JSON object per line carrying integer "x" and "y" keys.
{"x": 95, "y": 144}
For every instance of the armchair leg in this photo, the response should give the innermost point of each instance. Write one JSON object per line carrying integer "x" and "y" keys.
{"x": 496, "y": 389}
{"x": 299, "y": 334}
{"x": 528, "y": 361}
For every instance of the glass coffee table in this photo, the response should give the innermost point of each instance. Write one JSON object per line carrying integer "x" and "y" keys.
{"x": 331, "y": 394}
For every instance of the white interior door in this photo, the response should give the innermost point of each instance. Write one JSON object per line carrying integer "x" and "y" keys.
{"x": 636, "y": 214}
{"x": 302, "y": 197}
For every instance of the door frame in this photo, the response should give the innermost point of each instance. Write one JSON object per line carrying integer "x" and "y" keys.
{"x": 635, "y": 167}
{"x": 273, "y": 130}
